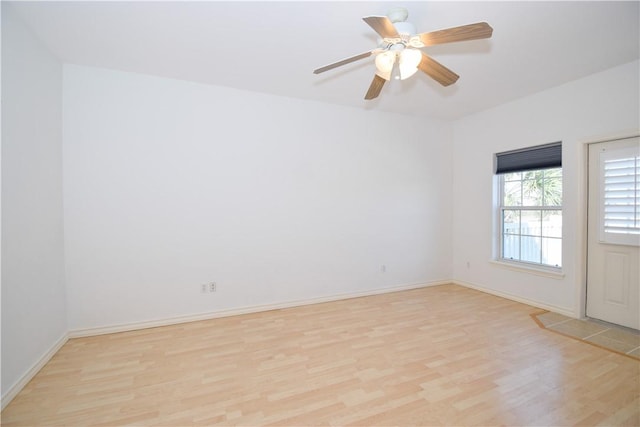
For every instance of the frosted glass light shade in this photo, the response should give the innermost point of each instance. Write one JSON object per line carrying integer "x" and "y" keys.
{"x": 385, "y": 61}
{"x": 408, "y": 63}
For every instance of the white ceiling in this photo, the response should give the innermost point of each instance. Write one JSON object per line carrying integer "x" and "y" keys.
{"x": 273, "y": 47}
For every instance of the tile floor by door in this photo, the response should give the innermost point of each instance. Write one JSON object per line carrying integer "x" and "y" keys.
{"x": 612, "y": 337}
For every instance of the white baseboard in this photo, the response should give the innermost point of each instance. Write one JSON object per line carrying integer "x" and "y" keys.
{"x": 243, "y": 310}
{"x": 35, "y": 368}
{"x": 556, "y": 309}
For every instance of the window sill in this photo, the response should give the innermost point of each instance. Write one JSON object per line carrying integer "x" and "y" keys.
{"x": 538, "y": 271}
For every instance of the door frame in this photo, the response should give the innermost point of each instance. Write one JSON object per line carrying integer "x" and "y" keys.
{"x": 581, "y": 290}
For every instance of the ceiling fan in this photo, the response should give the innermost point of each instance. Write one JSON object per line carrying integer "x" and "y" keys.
{"x": 398, "y": 56}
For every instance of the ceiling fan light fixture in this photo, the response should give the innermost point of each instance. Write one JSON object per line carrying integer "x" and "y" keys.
{"x": 395, "y": 72}
{"x": 398, "y": 55}
{"x": 408, "y": 62}
{"x": 385, "y": 61}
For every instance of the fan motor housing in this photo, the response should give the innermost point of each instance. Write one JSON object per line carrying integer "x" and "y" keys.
{"x": 405, "y": 28}
{"x": 398, "y": 14}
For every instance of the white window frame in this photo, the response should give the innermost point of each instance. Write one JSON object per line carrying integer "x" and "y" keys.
{"x": 500, "y": 232}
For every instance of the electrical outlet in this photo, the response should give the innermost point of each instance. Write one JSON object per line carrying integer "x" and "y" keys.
{"x": 383, "y": 268}
{"x": 212, "y": 287}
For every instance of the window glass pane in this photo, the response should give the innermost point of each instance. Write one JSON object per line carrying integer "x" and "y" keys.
{"x": 514, "y": 176}
{"x": 530, "y": 249}
{"x": 553, "y": 173}
{"x": 511, "y": 222}
{"x": 531, "y": 223}
{"x": 532, "y": 192}
{"x": 511, "y": 247}
{"x": 512, "y": 193}
{"x": 552, "y": 252}
{"x": 552, "y": 192}
{"x": 551, "y": 224}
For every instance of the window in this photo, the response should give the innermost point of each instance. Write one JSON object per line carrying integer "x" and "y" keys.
{"x": 530, "y": 205}
{"x": 620, "y": 196}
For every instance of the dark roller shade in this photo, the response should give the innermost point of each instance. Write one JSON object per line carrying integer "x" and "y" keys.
{"x": 538, "y": 157}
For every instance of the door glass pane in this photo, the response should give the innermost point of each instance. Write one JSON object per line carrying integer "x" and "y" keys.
{"x": 619, "y": 175}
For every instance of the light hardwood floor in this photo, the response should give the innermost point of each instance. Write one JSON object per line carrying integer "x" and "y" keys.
{"x": 444, "y": 355}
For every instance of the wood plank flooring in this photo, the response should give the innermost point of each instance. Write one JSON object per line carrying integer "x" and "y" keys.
{"x": 443, "y": 355}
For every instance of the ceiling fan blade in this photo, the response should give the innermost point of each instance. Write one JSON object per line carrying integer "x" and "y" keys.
{"x": 381, "y": 25}
{"x": 480, "y": 30}
{"x": 375, "y": 87}
{"x": 344, "y": 62}
{"x": 437, "y": 71}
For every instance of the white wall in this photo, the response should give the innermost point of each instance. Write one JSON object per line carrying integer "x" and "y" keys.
{"x": 33, "y": 292}
{"x": 170, "y": 184}
{"x": 601, "y": 105}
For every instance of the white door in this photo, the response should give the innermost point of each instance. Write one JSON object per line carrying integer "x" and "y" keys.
{"x": 613, "y": 228}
